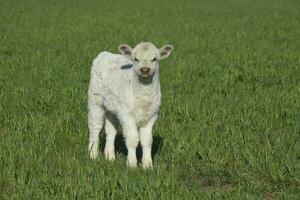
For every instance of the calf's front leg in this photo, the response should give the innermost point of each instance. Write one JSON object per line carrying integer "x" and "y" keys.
{"x": 132, "y": 139}
{"x": 146, "y": 140}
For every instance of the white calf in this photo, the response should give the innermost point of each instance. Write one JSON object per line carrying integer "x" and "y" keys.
{"x": 125, "y": 89}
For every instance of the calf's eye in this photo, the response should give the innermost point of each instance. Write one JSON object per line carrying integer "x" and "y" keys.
{"x": 153, "y": 60}
{"x": 136, "y": 60}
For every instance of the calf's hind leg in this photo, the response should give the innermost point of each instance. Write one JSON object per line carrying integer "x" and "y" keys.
{"x": 95, "y": 122}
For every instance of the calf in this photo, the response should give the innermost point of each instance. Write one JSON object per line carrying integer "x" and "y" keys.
{"x": 125, "y": 89}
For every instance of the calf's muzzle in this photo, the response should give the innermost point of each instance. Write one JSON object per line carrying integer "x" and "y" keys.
{"x": 145, "y": 70}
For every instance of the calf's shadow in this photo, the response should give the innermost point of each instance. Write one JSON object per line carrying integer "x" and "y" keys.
{"x": 120, "y": 146}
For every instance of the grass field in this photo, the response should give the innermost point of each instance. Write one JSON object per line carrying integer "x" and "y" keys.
{"x": 229, "y": 126}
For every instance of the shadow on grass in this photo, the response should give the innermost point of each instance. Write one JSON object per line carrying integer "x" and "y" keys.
{"x": 120, "y": 146}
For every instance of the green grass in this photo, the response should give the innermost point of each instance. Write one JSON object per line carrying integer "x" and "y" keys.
{"x": 229, "y": 126}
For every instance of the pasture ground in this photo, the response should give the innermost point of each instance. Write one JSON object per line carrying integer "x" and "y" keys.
{"x": 230, "y": 116}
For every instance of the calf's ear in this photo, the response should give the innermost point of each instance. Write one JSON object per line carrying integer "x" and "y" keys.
{"x": 165, "y": 51}
{"x": 126, "y": 51}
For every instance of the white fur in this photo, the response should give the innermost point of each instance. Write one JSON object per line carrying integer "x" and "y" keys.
{"x": 119, "y": 94}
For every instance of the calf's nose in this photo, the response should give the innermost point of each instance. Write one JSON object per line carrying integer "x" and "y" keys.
{"x": 145, "y": 70}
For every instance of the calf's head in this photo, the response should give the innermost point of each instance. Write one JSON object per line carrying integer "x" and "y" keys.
{"x": 145, "y": 57}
